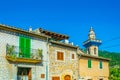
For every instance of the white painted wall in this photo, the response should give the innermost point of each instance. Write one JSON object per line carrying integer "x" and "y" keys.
{"x": 12, "y": 39}
{"x": 7, "y": 38}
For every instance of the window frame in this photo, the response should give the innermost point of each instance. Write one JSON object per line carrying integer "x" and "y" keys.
{"x": 89, "y": 63}
{"x": 71, "y": 55}
{"x": 55, "y": 77}
{"x": 57, "y": 55}
{"x": 100, "y": 64}
{"x": 42, "y": 75}
{"x": 95, "y": 51}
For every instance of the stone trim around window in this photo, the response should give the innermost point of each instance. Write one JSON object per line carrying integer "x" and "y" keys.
{"x": 60, "y": 55}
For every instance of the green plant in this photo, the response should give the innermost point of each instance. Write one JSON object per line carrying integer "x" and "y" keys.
{"x": 20, "y": 53}
{"x": 10, "y": 49}
{"x": 40, "y": 53}
{"x": 14, "y": 55}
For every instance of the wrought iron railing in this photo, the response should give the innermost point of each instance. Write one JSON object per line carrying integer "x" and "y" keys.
{"x": 20, "y": 52}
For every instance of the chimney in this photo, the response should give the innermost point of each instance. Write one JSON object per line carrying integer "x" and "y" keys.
{"x": 66, "y": 41}
{"x": 30, "y": 29}
{"x": 71, "y": 43}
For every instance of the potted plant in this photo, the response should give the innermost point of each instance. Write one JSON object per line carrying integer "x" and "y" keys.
{"x": 10, "y": 50}
{"x": 40, "y": 53}
{"x": 20, "y": 54}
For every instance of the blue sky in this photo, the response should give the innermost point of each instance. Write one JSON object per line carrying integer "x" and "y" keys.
{"x": 70, "y": 17}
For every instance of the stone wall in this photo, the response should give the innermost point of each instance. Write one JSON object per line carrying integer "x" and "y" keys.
{"x": 61, "y": 68}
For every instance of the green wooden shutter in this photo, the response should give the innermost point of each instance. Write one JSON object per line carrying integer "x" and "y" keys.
{"x": 28, "y": 45}
{"x": 89, "y": 63}
{"x": 21, "y": 45}
{"x": 100, "y": 64}
{"x": 24, "y": 46}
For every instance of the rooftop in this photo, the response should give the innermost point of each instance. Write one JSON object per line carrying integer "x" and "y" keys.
{"x": 95, "y": 57}
{"x": 63, "y": 44}
{"x": 21, "y": 31}
{"x": 54, "y": 35}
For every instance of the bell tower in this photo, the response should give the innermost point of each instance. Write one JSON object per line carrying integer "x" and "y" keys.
{"x": 92, "y": 43}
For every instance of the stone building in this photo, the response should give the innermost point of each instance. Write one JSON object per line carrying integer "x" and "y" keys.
{"x": 63, "y": 58}
{"x": 91, "y": 66}
{"x": 23, "y": 54}
{"x": 46, "y": 55}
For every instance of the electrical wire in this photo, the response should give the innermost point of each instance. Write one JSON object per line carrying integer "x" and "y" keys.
{"x": 112, "y": 46}
{"x": 107, "y": 41}
{"x": 116, "y": 38}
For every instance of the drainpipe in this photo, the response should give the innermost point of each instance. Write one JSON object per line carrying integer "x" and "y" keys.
{"x": 79, "y": 56}
{"x": 47, "y": 60}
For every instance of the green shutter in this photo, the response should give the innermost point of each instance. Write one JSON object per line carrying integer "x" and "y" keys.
{"x": 101, "y": 66}
{"x": 21, "y": 45}
{"x": 89, "y": 63}
{"x": 24, "y": 46}
{"x": 28, "y": 45}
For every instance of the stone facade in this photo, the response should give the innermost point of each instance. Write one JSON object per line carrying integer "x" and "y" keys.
{"x": 68, "y": 66}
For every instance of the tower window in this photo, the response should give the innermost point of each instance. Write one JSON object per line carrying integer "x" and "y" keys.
{"x": 95, "y": 50}
{"x": 88, "y": 51}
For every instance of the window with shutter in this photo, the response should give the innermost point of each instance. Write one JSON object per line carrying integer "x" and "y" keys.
{"x": 73, "y": 56}
{"x": 24, "y": 46}
{"x": 60, "y": 55}
{"x": 42, "y": 75}
{"x": 100, "y": 64}
{"x": 56, "y": 78}
{"x": 89, "y": 63}
{"x": 27, "y": 53}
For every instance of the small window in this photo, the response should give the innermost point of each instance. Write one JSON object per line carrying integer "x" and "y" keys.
{"x": 89, "y": 63}
{"x": 56, "y": 78}
{"x": 60, "y": 55}
{"x": 100, "y": 64}
{"x": 73, "y": 56}
{"x": 42, "y": 75}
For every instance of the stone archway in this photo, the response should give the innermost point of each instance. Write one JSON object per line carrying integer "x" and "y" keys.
{"x": 67, "y": 77}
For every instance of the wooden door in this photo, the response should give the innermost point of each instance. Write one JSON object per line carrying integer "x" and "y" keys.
{"x": 67, "y": 77}
{"x": 29, "y": 74}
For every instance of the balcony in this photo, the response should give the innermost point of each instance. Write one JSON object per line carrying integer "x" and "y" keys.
{"x": 23, "y": 55}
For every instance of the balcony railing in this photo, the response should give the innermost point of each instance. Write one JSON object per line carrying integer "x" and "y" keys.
{"x": 20, "y": 54}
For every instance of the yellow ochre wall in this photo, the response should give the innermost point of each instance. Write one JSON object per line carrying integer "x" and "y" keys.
{"x": 93, "y": 73}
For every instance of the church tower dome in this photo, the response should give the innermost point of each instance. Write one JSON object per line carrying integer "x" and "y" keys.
{"x": 91, "y": 34}
{"x": 92, "y": 43}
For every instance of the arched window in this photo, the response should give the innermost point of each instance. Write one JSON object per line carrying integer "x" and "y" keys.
{"x": 88, "y": 51}
{"x": 95, "y": 50}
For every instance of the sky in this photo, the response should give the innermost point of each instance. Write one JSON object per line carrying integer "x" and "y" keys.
{"x": 71, "y": 17}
